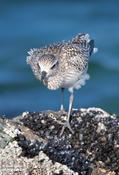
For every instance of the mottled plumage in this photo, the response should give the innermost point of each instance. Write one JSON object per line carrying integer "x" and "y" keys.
{"x": 63, "y": 65}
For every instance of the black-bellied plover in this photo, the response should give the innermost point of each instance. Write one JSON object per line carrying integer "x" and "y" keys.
{"x": 63, "y": 65}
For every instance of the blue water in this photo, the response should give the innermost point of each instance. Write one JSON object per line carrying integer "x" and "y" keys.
{"x": 31, "y": 24}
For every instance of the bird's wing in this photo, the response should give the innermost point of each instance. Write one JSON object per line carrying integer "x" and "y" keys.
{"x": 85, "y": 44}
{"x": 78, "y": 51}
{"x": 75, "y": 56}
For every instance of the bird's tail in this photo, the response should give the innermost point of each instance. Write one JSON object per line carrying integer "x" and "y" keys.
{"x": 85, "y": 41}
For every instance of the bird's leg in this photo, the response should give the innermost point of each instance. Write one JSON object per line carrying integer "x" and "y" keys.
{"x": 62, "y": 100}
{"x": 67, "y": 123}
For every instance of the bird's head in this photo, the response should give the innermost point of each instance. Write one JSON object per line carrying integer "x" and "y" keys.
{"x": 48, "y": 65}
{"x": 44, "y": 67}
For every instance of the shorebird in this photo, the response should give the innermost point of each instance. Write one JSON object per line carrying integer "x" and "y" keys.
{"x": 63, "y": 65}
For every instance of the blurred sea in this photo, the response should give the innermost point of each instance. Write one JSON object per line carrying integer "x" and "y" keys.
{"x": 30, "y": 24}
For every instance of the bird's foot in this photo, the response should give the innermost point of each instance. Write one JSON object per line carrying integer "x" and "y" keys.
{"x": 66, "y": 125}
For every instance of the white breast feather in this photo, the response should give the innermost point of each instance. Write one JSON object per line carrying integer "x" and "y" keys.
{"x": 70, "y": 79}
{"x": 80, "y": 82}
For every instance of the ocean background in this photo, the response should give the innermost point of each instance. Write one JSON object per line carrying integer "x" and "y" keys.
{"x": 26, "y": 24}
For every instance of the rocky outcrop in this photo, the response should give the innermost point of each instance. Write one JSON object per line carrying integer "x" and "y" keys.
{"x": 30, "y": 144}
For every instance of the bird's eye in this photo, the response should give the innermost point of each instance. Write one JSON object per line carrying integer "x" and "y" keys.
{"x": 54, "y": 65}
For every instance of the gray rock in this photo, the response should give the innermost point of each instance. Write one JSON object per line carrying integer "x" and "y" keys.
{"x": 31, "y": 144}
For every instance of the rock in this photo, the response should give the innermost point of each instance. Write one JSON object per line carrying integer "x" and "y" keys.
{"x": 30, "y": 144}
